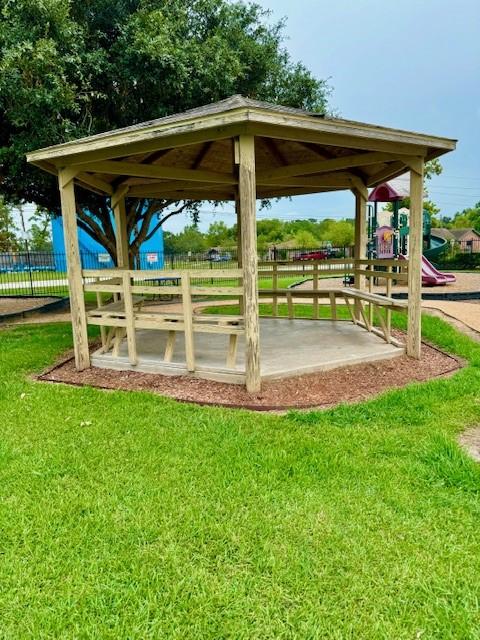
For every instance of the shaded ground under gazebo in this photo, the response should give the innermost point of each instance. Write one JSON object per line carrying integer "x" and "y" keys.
{"x": 241, "y": 150}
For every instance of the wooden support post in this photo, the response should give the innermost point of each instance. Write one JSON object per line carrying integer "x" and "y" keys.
{"x": 291, "y": 312}
{"x": 364, "y": 315}
{"x": 120, "y": 333}
{"x": 109, "y": 339}
{"x": 383, "y": 325}
{"x": 275, "y": 287}
{"x": 117, "y": 203}
{"x": 354, "y": 318}
{"x": 247, "y": 196}
{"x": 188, "y": 321}
{"x": 388, "y": 312}
{"x": 129, "y": 318}
{"x": 239, "y": 249}
{"x": 361, "y": 196}
{"x": 74, "y": 269}
{"x": 169, "y": 347}
{"x": 232, "y": 350}
{"x": 370, "y": 290}
{"x": 103, "y": 330}
{"x": 315, "y": 288}
{"x": 414, "y": 333}
{"x": 121, "y": 236}
{"x": 333, "y": 305}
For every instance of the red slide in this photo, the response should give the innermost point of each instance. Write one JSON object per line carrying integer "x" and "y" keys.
{"x": 431, "y": 277}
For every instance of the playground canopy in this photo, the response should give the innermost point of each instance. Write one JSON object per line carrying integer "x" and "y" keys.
{"x": 392, "y": 191}
{"x": 237, "y": 149}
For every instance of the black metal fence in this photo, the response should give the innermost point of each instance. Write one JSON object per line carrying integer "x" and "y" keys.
{"x": 45, "y": 274}
{"x": 460, "y": 254}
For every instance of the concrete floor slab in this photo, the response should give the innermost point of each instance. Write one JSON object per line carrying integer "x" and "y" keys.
{"x": 288, "y": 348}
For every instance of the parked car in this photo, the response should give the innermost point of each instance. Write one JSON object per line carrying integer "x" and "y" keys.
{"x": 220, "y": 257}
{"x": 314, "y": 255}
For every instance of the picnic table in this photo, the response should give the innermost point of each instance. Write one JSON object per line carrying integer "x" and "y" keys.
{"x": 164, "y": 282}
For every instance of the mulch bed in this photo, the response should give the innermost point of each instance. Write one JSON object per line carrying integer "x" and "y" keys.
{"x": 323, "y": 389}
{"x": 19, "y": 305}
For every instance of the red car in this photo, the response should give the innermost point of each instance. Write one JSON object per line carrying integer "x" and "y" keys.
{"x": 314, "y": 255}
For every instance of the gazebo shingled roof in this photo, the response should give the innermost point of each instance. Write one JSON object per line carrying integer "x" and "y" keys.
{"x": 331, "y": 150}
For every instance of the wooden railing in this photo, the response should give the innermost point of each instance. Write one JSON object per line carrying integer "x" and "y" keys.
{"x": 124, "y": 316}
{"x": 363, "y": 274}
{"x": 389, "y": 271}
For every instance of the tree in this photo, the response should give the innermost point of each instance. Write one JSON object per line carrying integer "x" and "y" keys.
{"x": 191, "y": 239}
{"x": 219, "y": 235}
{"x": 340, "y": 233}
{"x": 40, "y": 234}
{"x": 9, "y": 240}
{"x": 306, "y": 240}
{"x": 469, "y": 217}
{"x": 72, "y": 69}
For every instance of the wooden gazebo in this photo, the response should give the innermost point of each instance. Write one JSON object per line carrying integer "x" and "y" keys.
{"x": 239, "y": 150}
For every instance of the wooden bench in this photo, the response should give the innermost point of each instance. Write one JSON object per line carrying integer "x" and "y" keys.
{"x": 114, "y": 316}
{"x": 105, "y": 316}
{"x": 125, "y": 316}
{"x": 346, "y": 295}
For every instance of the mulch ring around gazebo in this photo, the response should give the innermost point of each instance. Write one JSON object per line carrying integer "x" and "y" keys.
{"x": 316, "y": 390}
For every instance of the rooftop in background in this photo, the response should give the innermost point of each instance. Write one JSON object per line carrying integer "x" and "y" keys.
{"x": 454, "y": 234}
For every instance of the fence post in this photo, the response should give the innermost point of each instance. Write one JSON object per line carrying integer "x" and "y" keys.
{"x": 29, "y": 264}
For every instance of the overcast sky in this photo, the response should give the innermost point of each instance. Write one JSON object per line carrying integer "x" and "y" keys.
{"x": 412, "y": 65}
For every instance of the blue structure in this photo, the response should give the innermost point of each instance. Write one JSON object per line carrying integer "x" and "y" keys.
{"x": 95, "y": 256}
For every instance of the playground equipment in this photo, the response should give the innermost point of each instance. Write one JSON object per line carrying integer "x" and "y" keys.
{"x": 437, "y": 246}
{"x": 391, "y": 240}
{"x": 433, "y": 277}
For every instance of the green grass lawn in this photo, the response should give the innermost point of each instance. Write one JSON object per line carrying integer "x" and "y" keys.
{"x": 90, "y": 298}
{"x": 301, "y": 310}
{"x": 21, "y": 276}
{"x": 127, "y": 515}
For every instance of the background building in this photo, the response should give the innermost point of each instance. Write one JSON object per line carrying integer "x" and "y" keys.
{"x": 95, "y": 256}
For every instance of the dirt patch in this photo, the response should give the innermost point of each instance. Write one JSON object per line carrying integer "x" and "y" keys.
{"x": 470, "y": 441}
{"x": 323, "y": 389}
{"x": 10, "y": 306}
{"x": 454, "y": 321}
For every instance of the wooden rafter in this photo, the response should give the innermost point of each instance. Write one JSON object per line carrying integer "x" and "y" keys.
{"x": 95, "y": 183}
{"x": 274, "y": 150}
{"x": 332, "y": 164}
{"x": 393, "y": 170}
{"x": 201, "y": 156}
{"x": 326, "y": 154}
{"x": 159, "y": 188}
{"x": 152, "y": 158}
{"x": 341, "y": 178}
{"x": 160, "y": 172}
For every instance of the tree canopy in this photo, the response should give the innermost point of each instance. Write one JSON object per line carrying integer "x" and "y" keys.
{"x": 302, "y": 234}
{"x": 464, "y": 219}
{"x": 71, "y": 69}
{"x": 9, "y": 238}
